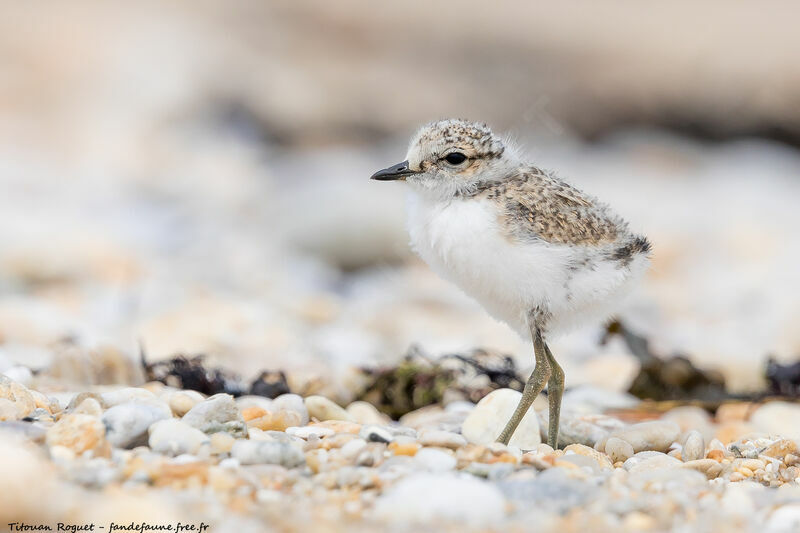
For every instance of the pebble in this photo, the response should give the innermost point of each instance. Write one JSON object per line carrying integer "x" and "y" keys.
{"x": 217, "y": 413}
{"x": 31, "y": 431}
{"x": 79, "y": 433}
{"x": 308, "y": 432}
{"x": 485, "y": 423}
{"x": 127, "y": 423}
{"x": 400, "y": 447}
{"x": 585, "y": 429}
{"x": 89, "y": 406}
{"x": 352, "y": 449}
{"x": 656, "y": 435}
{"x": 20, "y": 374}
{"x": 292, "y": 403}
{"x": 321, "y": 408}
{"x": 602, "y": 461}
{"x": 650, "y": 460}
{"x": 435, "y": 460}
{"x": 709, "y": 467}
{"x": 18, "y": 395}
{"x": 786, "y": 518}
{"x": 125, "y": 395}
{"x": 690, "y": 417}
{"x": 618, "y": 450}
{"x": 365, "y": 413}
{"x": 221, "y": 442}
{"x": 693, "y": 447}
{"x": 256, "y": 417}
{"x": 442, "y": 439}
{"x": 249, "y": 452}
{"x": 8, "y": 410}
{"x": 427, "y": 498}
{"x": 181, "y": 402}
{"x": 43, "y": 402}
{"x": 778, "y": 418}
{"x": 376, "y": 434}
{"x": 781, "y": 448}
{"x": 175, "y": 437}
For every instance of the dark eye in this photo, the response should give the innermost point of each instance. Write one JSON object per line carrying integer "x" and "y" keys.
{"x": 455, "y": 158}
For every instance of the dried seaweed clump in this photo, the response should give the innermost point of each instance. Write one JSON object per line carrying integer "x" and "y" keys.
{"x": 668, "y": 378}
{"x": 191, "y": 373}
{"x": 783, "y": 380}
{"x": 418, "y": 380}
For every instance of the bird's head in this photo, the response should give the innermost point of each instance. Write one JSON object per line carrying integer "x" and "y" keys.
{"x": 451, "y": 157}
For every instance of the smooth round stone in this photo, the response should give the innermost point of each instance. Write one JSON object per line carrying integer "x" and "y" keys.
{"x": 600, "y": 459}
{"x": 307, "y": 432}
{"x": 44, "y": 402}
{"x": 576, "y": 429}
{"x": 79, "y": 433}
{"x": 217, "y": 413}
{"x": 175, "y": 437}
{"x": 252, "y": 400}
{"x": 656, "y": 435}
{"x": 322, "y": 409}
{"x": 435, "y": 460}
{"x": 709, "y": 467}
{"x": 650, "y": 460}
{"x": 618, "y": 450}
{"x": 181, "y": 402}
{"x": 32, "y": 431}
{"x": 127, "y": 423}
{"x": 365, "y": 413}
{"x": 221, "y": 442}
{"x": 17, "y": 394}
{"x": 485, "y": 423}
{"x": 127, "y": 394}
{"x": 249, "y": 452}
{"x": 230, "y": 463}
{"x": 694, "y": 446}
{"x": 433, "y": 498}
{"x": 8, "y": 410}
{"x": 441, "y": 438}
{"x": 690, "y": 417}
{"x": 294, "y": 403}
{"x": 352, "y": 449}
{"x": 785, "y": 518}
{"x": 89, "y": 406}
{"x": 376, "y": 434}
{"x": 778, "y": 419}
{"x": 20, "y": 374}
{"x": 581, "y": 461}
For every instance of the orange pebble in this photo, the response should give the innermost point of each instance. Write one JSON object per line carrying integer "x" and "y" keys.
{"x": 716, "y": 455}
{"x": 409, "y": 448}
{"x": 249, "y": 413}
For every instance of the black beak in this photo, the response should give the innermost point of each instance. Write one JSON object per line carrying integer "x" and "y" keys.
{"x": 394, "y": 172}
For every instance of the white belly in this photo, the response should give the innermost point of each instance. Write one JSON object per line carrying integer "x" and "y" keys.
{"x": 462, "y": 242}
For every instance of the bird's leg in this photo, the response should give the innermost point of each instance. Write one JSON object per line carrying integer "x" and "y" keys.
{"x": 535, "y": 384}
{"x": 555, "y": 390}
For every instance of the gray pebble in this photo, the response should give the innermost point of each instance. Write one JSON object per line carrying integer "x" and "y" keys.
{"x": 175, "y": 437}
{"x": 693, "y": 447}
{"x": 217, "y": 413}
{"x": 249, "y": 452}
{"x": 127, "y": 423}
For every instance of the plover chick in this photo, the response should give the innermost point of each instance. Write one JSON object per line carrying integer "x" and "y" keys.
{"x": 536, "y": 252}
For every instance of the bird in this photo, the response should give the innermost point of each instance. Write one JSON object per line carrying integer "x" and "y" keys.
{"x": 536, "y": 252}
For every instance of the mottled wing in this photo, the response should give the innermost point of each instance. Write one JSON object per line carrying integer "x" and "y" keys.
{"x": 539, "y": 206}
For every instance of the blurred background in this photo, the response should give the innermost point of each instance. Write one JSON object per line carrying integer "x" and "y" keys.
{"x": 193, "y": 176}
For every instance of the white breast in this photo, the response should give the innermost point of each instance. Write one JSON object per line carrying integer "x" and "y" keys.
{"x": 461, "y": 241}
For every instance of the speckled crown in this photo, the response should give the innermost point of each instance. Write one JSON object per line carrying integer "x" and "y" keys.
{"x": 455, "y": 132}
